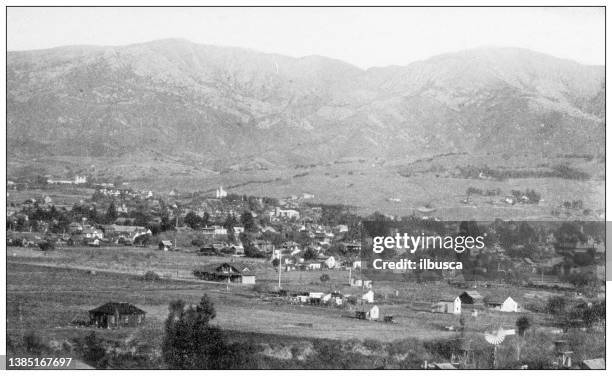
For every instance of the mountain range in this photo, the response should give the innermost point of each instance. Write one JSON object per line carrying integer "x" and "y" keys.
{"x": 220, "y": 107}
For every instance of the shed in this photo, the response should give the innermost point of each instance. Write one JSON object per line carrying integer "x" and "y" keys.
{"x": 113, "y": 314}
{"x": 165, "y": 245}
{"x": 370, "y": 312}
{"x": 447, "y": 306}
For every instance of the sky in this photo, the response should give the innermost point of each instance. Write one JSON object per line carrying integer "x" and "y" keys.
{"x": 365, "y": 37}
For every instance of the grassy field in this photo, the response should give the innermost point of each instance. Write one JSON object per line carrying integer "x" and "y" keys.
{"x": 369, "y": 187}
{"x": 47, "y": 293}
{"x": 65, "y": 276}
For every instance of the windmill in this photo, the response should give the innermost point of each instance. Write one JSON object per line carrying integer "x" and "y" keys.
{"x": 495, "y": 337}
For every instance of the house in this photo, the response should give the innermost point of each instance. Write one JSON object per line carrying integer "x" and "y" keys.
{"x": 113, "y": 315}
{"x": 165, "y": 245}
{"x": 220, "y": 230}
{"x": 341, "y": 229}
{"x": 335, "y": 298}
{"x": 91, "y": 232}
{"x": 370, "y": 312}
{"x": 598, "y": 363}
{"x": 226, "y": 272}
{"x": 447, "y": 306}
{"x": 285, "y": 213}
{"x": 357, "y": 264}
{"x": 313, "y": 266}
{"x": 330, "y": 262}
{"x": 368, "y": 296}
{"x": 471, "y": 297}
{"x": 501, "y": 304}
{"x": 75, "y": 228}
{"x": 220, "y": 193}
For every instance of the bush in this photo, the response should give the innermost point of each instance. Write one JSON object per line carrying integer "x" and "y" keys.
{"x": 556, "y": 305}
{"x": 151, "y": 276}
{"x": 46, "y": 246}
{"x": 33, "y": 343}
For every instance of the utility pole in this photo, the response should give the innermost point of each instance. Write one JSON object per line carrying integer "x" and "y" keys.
{"x": 280, "y": 267}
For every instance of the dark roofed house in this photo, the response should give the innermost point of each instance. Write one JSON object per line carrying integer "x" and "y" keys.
{"x": 239, "y": 273}
{"x": 114, "y": 315}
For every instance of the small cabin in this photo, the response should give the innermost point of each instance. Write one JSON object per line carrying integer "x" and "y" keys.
{"x": 114, "y": 315}
{"x": 370, "y": 313}
{"x": 165, "y": 245}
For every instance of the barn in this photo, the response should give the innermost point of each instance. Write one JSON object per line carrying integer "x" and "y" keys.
{"x": 113, "y": 315}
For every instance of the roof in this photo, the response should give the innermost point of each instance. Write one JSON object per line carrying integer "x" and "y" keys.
{"x": 598, "y": 363}
{"x": 122, "y": 308}
{"x": 497, "y": 298}
{"x": 443, "y": 366}
{"x": 473, "y": 293}
{"x": 236, "y": 269}
{"x": 166, "y": 242}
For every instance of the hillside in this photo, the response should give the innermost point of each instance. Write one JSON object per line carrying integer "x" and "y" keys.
{"x": 175, "y": 96}
{"x": 175, "y": 113}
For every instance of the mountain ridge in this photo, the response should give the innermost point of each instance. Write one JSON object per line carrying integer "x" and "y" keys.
{"x": 228, "y": 104}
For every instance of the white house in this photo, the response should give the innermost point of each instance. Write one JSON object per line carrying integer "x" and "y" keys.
{"x": 368, "y": 296}
{"x": 448, "y": 306}
{"x": 501, "y": 304}
{"x": 330, "y": 262}
{"x": 220, "y": 193}
{"x": 220, "y": 230}
{"x": 370, "y": 312}
{"x": 286, "y": 213}
{"x": 332, "y": 298}
{"x": 314, "y": 266}
{"x": 248, "y": 279}
{"x": 509, "y": 305}
{"x": 357, "y": 264}
{"x": 91, "y": 232}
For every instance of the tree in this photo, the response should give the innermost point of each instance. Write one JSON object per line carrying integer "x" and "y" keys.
{"x": 248, "y": 221}
{"x": 324, "y": 278}
{"x": 192, "y": 220}
{"x": 190, "y": 342}
{"x": 205, "y": 219}
{"x": 310, "y": 254}
{"x": 111, "y": 213}
{"x": 522, "y": 324}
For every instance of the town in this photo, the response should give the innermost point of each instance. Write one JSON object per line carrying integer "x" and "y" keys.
{"x": 310, "y": 266}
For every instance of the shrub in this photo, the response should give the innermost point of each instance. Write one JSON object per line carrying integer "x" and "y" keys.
{"x": 46, "y": 246}
{"x": 151, "y": 276}
{"x": 556, "y": 305}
